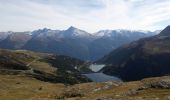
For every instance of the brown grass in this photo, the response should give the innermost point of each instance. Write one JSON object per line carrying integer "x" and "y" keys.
{"x": 17, "y": 87}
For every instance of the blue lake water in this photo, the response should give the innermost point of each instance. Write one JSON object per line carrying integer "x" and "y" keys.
{"x": 100, "y": 77}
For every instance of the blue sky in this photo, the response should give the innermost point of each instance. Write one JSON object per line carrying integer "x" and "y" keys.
{"x": 89, "y": 15}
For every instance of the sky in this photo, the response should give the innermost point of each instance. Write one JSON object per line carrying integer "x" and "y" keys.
{"x": 89, "y": 15}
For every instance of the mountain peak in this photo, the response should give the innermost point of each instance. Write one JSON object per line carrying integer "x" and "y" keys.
{"x": 166, "y": 31}
{"x": 75, "y": 32}
{"x": 71, "y": 28}
{"x": 40, "y": 31}
{"x": 44, "y": 30}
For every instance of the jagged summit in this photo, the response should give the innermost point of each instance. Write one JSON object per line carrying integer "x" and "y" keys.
{"x": 166, "y": 31}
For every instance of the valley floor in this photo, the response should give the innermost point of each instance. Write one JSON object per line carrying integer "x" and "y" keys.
{"x": 21, "y": 87}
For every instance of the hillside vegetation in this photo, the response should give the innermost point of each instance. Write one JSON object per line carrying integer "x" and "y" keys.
{"x": 45, "y": 67}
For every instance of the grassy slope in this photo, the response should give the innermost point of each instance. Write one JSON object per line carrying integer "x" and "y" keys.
{"x": 21, "y": 87}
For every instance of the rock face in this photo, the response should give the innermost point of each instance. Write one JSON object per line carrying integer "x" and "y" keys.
{"x": 165, "y": 84}
{"x": 146, "y": 57}
{"x": 157, "y": 82}
{"x": 72, "y": 42}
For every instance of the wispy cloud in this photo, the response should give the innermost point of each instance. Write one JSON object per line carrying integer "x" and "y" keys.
{"x": 90, "y": 15}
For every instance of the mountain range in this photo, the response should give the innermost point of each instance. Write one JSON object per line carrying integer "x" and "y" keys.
{"x": 146, "y": 57}
{"x": 72, "y": 42}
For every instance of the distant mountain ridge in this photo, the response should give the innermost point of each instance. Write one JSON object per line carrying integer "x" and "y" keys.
{"x": 71, "y": 42}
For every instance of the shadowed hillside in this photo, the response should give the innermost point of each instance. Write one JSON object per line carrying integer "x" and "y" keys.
{"x": 146, "y": 57}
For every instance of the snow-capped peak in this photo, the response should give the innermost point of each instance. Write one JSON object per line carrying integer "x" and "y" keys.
{"x": 103, "y": 33}
{"x": 121, "y": 32}
{"x": 75, "y": 32}
{"x": 45, "y": 32}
